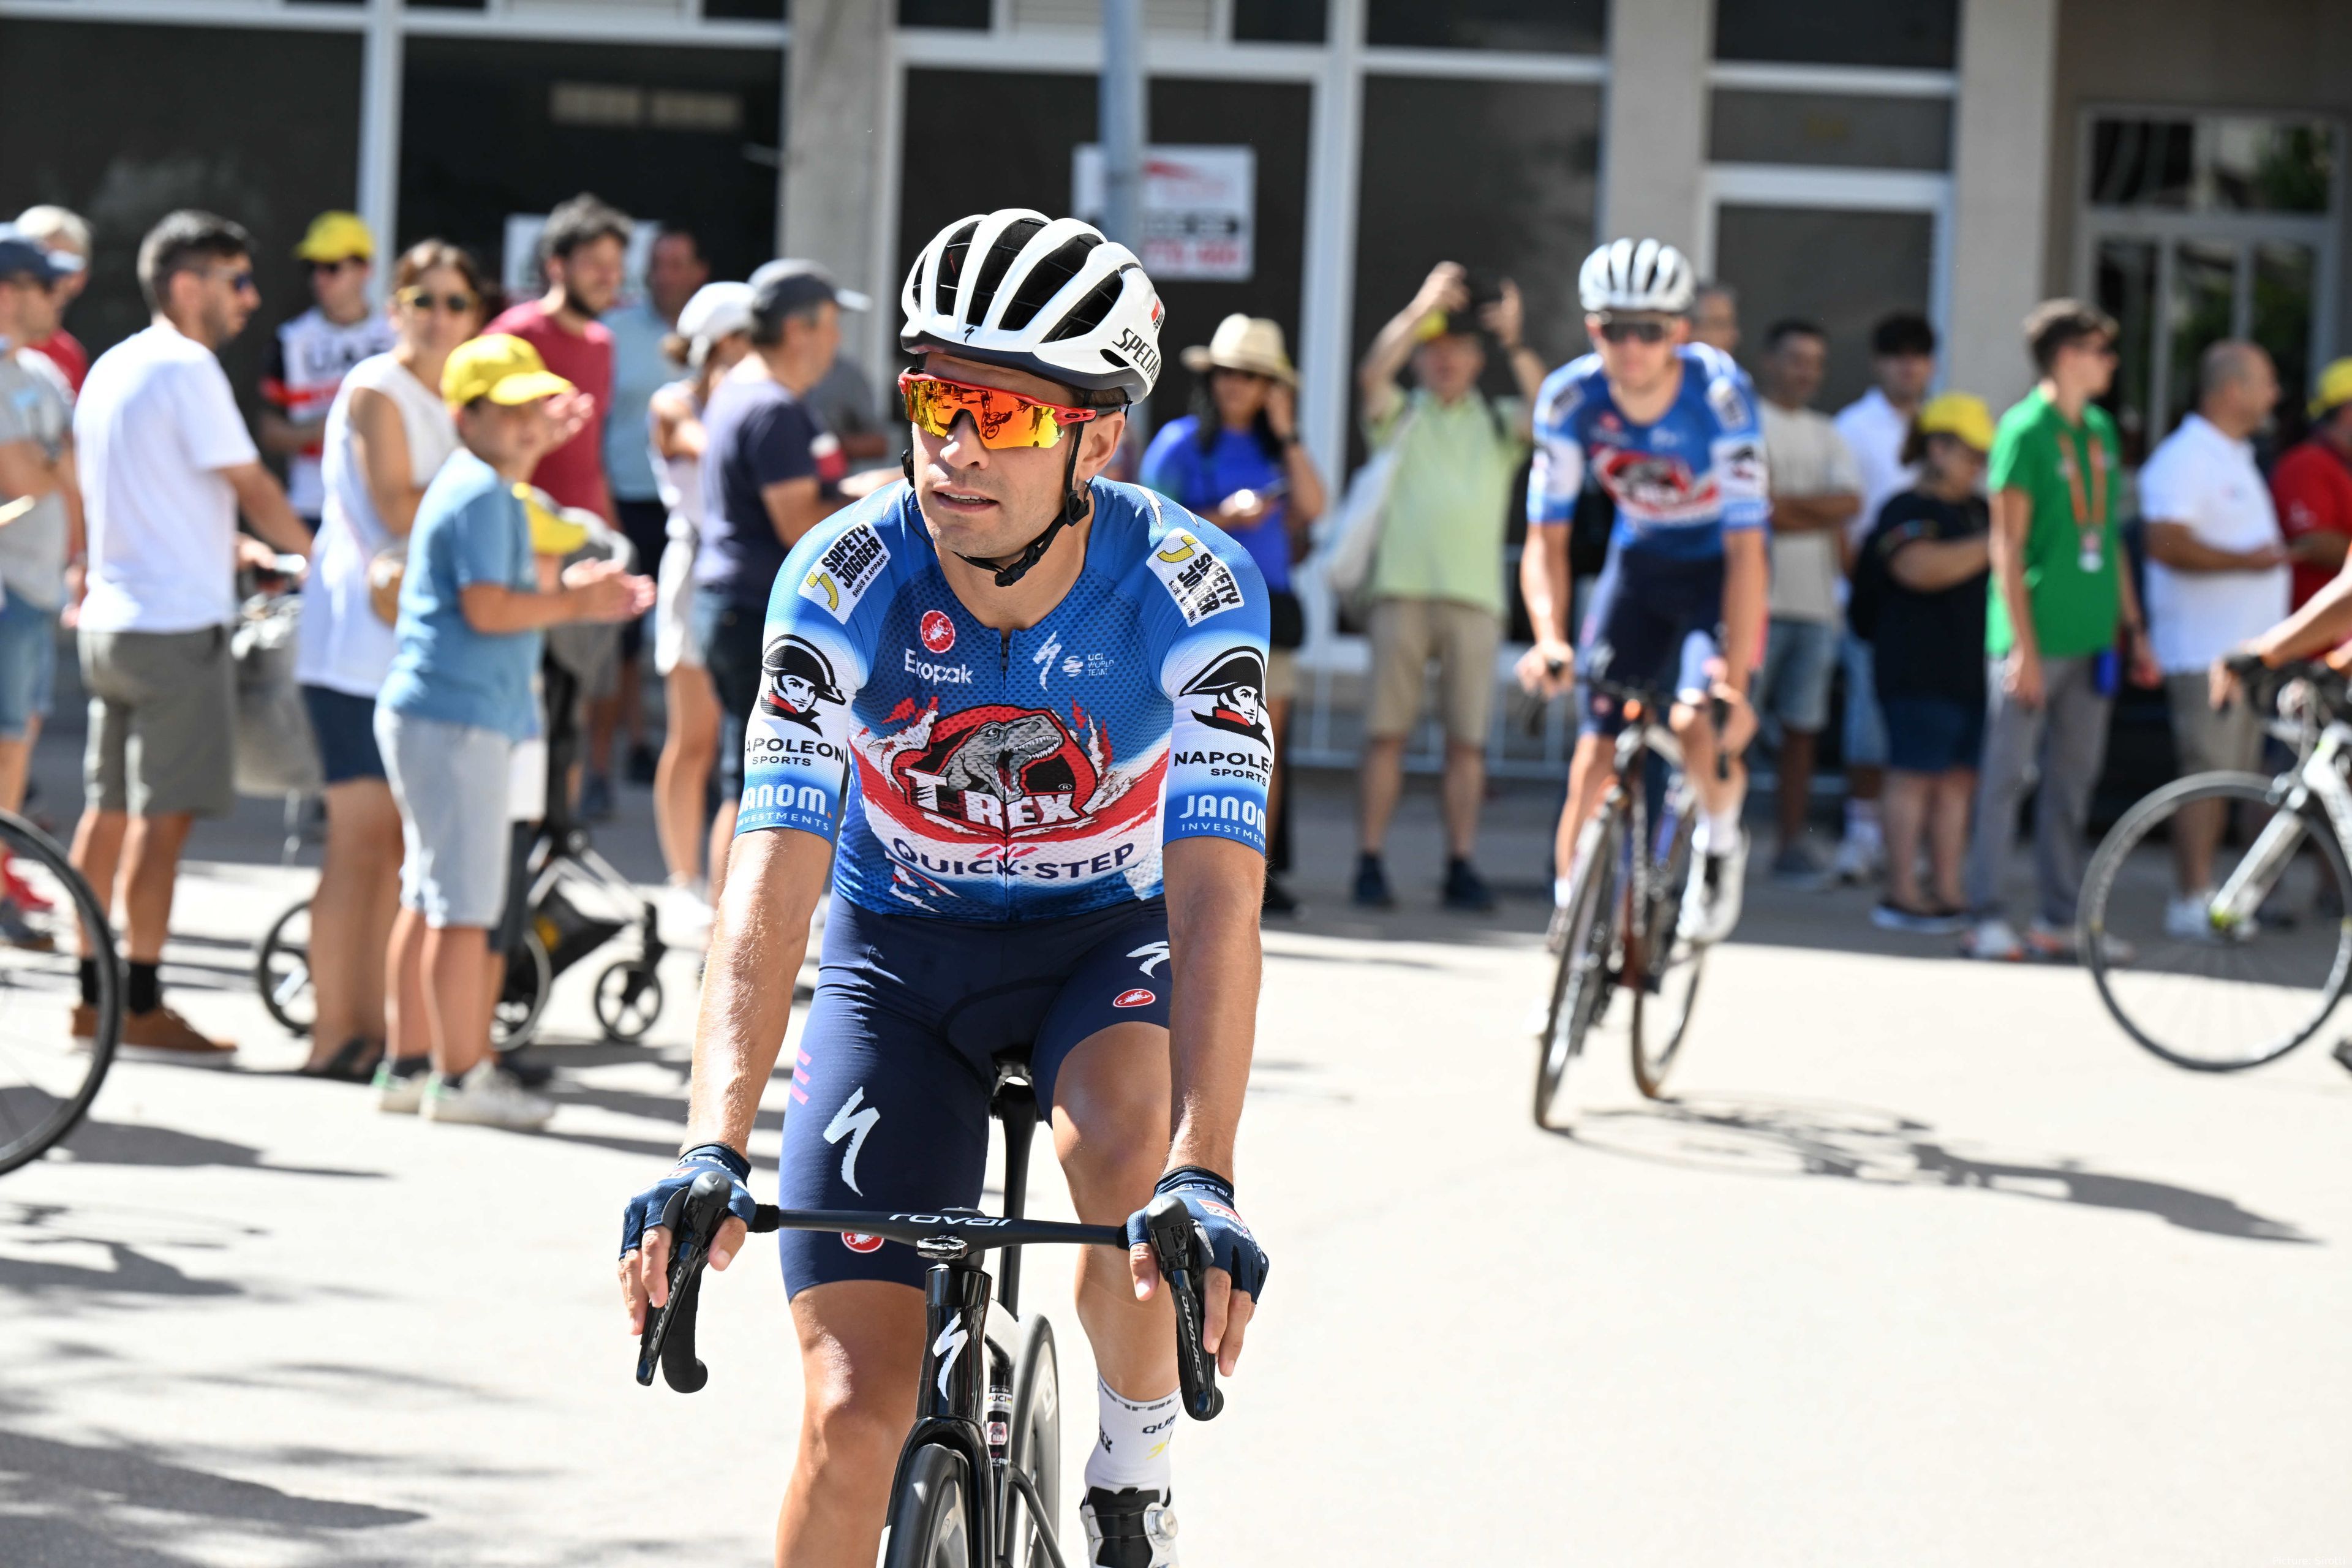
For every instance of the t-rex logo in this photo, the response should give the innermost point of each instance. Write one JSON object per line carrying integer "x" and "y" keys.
{"x": 1013, "y": 770}
{"x": 1646, "y": 479}
{"x": 1235, "y": 684}
{"x": 799, "y": 677}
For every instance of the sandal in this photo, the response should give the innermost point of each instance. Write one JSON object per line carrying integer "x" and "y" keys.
{"x": 353, "y": 1062}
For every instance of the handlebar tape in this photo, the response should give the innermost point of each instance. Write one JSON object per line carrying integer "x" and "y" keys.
{"x": 1177, "y": 1246}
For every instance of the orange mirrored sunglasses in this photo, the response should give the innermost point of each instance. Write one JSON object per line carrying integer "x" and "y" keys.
{"x": 1006, "y": 420}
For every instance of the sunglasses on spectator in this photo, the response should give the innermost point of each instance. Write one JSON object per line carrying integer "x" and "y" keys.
{"x": 240, "y": 282}
{"x": 1006, "y": 421}
{"x": 418, "y": 299}
{"x": 1633, "y": 332}
{"x": 335, "y": 266}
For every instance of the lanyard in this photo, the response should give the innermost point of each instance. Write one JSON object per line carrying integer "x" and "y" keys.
{"x": 2091, "y": 510}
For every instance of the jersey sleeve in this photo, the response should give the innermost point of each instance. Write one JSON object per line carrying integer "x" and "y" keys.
{"x": 1736, "y": 448}
{"x": 1557, "y": 474}
{"x": 816, "y": 651}
{"x": 1207, "y": 635}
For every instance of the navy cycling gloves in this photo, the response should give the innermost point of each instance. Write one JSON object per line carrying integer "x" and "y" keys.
{"x": 1208, "y": 1198}
{"x": 663, "y": 1203}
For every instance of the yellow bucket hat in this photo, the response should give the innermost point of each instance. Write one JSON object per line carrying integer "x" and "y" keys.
{"x": 502, "y": 368}
{"x": 2335, "y": 387}
{"x": 336, "y": 236}
{"x": 1961, "y": 415}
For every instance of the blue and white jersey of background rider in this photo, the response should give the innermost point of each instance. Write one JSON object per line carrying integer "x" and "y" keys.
{"x": 980, "y": 775}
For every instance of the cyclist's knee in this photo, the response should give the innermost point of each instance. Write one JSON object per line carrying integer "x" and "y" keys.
{"x": 854, "y": 1425}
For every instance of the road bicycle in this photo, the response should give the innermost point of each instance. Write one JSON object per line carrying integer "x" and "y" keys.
{"x": 1619, "y": 930}
{"x": 52, "y": 1061}
{"x": 2242, "y": 972}
{"x": 979, "y": 1478}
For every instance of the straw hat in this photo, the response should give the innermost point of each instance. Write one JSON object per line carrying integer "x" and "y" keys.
{"x": 1251, "y": 343}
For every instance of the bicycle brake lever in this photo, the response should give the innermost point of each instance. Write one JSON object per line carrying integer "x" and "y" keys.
{"x": 668, "y": 1337}
{"x": 1176, "y": 1246}
{"x": 1718, "y": 713}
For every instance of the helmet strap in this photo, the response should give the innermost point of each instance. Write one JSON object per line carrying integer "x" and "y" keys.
{"x": 1074, "y": 507}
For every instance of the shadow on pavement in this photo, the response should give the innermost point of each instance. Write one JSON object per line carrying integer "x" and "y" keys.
{"x": 49, "y": 1539}
{"x": 144, "y": 1143}
{"x": 134, "y": 1274}
{"x": 80, "y": 1477}
{"x": 1750, "y": 1135}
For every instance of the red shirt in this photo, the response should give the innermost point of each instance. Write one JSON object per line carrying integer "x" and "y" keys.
{"x": 62, "y": 349}
{"x": 2311, "y": 486}
{"x": 574, "y": 472}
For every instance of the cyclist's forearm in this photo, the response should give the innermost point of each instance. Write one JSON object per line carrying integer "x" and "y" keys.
{"x": 1544, "y": 582}
{"x": 2322, "y": 622}
{"x": 1213, "y": 962}
{"x": 1747, "y": 580}
{"x": 759, "y": 933}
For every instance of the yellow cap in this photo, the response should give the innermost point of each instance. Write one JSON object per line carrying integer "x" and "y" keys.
{"x": 334, "y": 236}
{"x": 502, "y": 368}
{"x": 1959, "y": 413}
{"x": 2335, "y": 387}
{"x": 553, "y": 531}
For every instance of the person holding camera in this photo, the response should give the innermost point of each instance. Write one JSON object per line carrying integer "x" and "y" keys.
{"x": 1437, "y": 582}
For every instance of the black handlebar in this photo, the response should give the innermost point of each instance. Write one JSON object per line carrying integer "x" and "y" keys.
{"x": 668, "y": 1341}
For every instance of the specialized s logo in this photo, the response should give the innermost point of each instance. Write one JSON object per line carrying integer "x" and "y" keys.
{"x": 799, "y": 677}
{"x": 947, "y": 1347}
{"x": 1235, "y": 684}
{"x": 854, "y": 1123}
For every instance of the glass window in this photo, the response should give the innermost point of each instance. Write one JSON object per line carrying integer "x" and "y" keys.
{"x": 1916, "y": 33}
{"x": 163, "y": 136}
{"x": 1551, "y": 27}
{"x": 1281, "y": 21}
{"x": 2124, "y": 283}
{"x": 968, "y": 13}
{"x": 743, "y": 10}
{"x": 681, "y": 135}
{"x": 1840, "y": 269}
{"x": 2213, "y": 164}
{"x": 1832, "y": 128}
{"x": 2284, "y": 275}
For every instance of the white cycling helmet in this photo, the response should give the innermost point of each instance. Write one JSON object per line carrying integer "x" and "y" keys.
{"x": 1050, "y": 296}
{"x": 717, "y": 310}
{"x": 1636, "y": 275}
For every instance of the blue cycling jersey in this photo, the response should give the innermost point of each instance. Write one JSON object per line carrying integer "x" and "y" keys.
{"x": 980, "y": 775}
{"x": 1680, "y": 483}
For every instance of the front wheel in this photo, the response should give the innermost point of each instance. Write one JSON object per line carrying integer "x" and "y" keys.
{"x": 1036, "y": 1448}
{"x": 934, "y": 1514}
{"x": 2235, "y": 974}
{"x": 1669, "y": 964}
{"x": 1580, "y": 988}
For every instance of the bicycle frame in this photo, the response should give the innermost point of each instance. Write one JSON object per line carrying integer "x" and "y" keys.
{"x": 2318, "y": 775}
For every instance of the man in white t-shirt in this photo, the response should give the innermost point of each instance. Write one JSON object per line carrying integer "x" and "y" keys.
{"x": 1875, "y": 426}
{"x": 166, "y": 465}
{"x": 309, "y": 355}
{"x": 1815, "y": 493}
{"x": 2217, "y": 577}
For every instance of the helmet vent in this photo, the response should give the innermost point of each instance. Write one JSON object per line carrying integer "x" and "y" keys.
{"x": 1046, "y": 280}
{"x": 1088, "y": 314}
{"x": 992, "y": 266}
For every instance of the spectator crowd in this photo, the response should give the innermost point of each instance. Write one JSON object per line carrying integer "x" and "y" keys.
{"x": 493, "y": 514}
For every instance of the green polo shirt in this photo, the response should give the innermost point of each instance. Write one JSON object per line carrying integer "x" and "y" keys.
{"x": 2074, "y": 611}
{"x": 1449, "y": 502}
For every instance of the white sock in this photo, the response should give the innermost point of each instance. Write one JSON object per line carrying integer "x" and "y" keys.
{"x": 1861, "y": 821}
{"x": 1559, "y": 887}
{"x": 1716, "y": 828}
{"x": 1132, "y": 1445}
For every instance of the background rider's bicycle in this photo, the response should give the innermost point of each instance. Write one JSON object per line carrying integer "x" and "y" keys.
{"x": 2244, "y": 971}
{"x": 52, "y": 1057}
{"x": 1618, "y": 930}
{"x": 979, "y": 1480}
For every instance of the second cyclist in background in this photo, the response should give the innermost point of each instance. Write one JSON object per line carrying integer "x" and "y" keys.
{"x": 1668, "y": 427}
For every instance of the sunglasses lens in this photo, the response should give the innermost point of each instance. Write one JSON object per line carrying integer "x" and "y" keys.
{"x": 1636, "y": 331}
{"x": 1006, "y": 421}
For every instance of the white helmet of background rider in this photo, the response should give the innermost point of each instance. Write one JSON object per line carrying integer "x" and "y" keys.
{"x": 1050, "y": 296}
{"x": 1636, "y": 275}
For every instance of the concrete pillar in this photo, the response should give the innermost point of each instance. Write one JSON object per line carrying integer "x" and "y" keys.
{"x": 837, "y": 137}
{"x": 2001, "y": 186}
{"x": 1653, "y": 138}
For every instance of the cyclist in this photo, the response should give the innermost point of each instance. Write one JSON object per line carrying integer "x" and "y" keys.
{"x": 1668, "y": 427}
{"x": 1030, "y": 700}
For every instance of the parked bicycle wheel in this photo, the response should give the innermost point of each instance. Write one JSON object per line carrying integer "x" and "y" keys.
{"x": 531, "y": 975}
{"x": 1669, "y": 964}
{"x": 937, "y": 1513}
{"x": 281, "y": 971}
{"x": 53, "y": 1055}
{"x": 1580, "y": 987}
{"x": 1036, "y": 1448}
{"x": 2251, "y": 972}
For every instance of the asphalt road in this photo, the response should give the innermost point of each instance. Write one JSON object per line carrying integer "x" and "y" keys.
{"x": 1926, "y": 1265}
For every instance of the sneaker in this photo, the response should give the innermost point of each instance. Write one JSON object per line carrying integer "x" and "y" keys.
{"x": 1278, "y": 898}
{"x": 1711, "y": 898}
{"x": 17, "y": 932}
{"x": 596, "y": 798}
{"x": 1372, "y": 884}
{"x": 1799, "y": 865}
{"x": 2190, "y": 917}
{"x": 642, "y": 763}
{"x": 1465, "y": 890}
{"x": 2054, "y": 943}
{"x": 1891, "y": 915}
{"x": 1993, "y": 940}
{"x": 1133, "y": 1527}
{"x": 487, "y": 1096}
{"x": 18, "y": 891}
{"x": 1858, "y": 861}
{"x": 400, "y": 1086}
{"x": 161, "y": 1029}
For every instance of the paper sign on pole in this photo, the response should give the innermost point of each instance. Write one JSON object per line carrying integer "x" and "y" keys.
{"x": 1199, "y": 206}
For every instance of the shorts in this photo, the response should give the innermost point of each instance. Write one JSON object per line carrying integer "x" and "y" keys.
{"x": 1865, "y": 725}
{"x": 645, "y": 525}
{"x": 1799, "y": 658}
{"x": 1933, "y": 734}
{"x": 345, "y": 728}
{"x": 890, "y": 1096}
{"x": 730, "y": 636}
{"x": 1406, "y": 635}
{"x": 28, "y": 665}
{"x": 1652, "y": 620}
{"x": 162, "y": 721}
{"x": 2206, "y": 741}
{"x": 673, "y": 644}
{"x": 450, "y": 783}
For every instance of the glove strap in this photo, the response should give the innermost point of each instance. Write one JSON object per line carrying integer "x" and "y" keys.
{"x": 724, "y": 1154}
{"x": 1197, "y": 1176}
